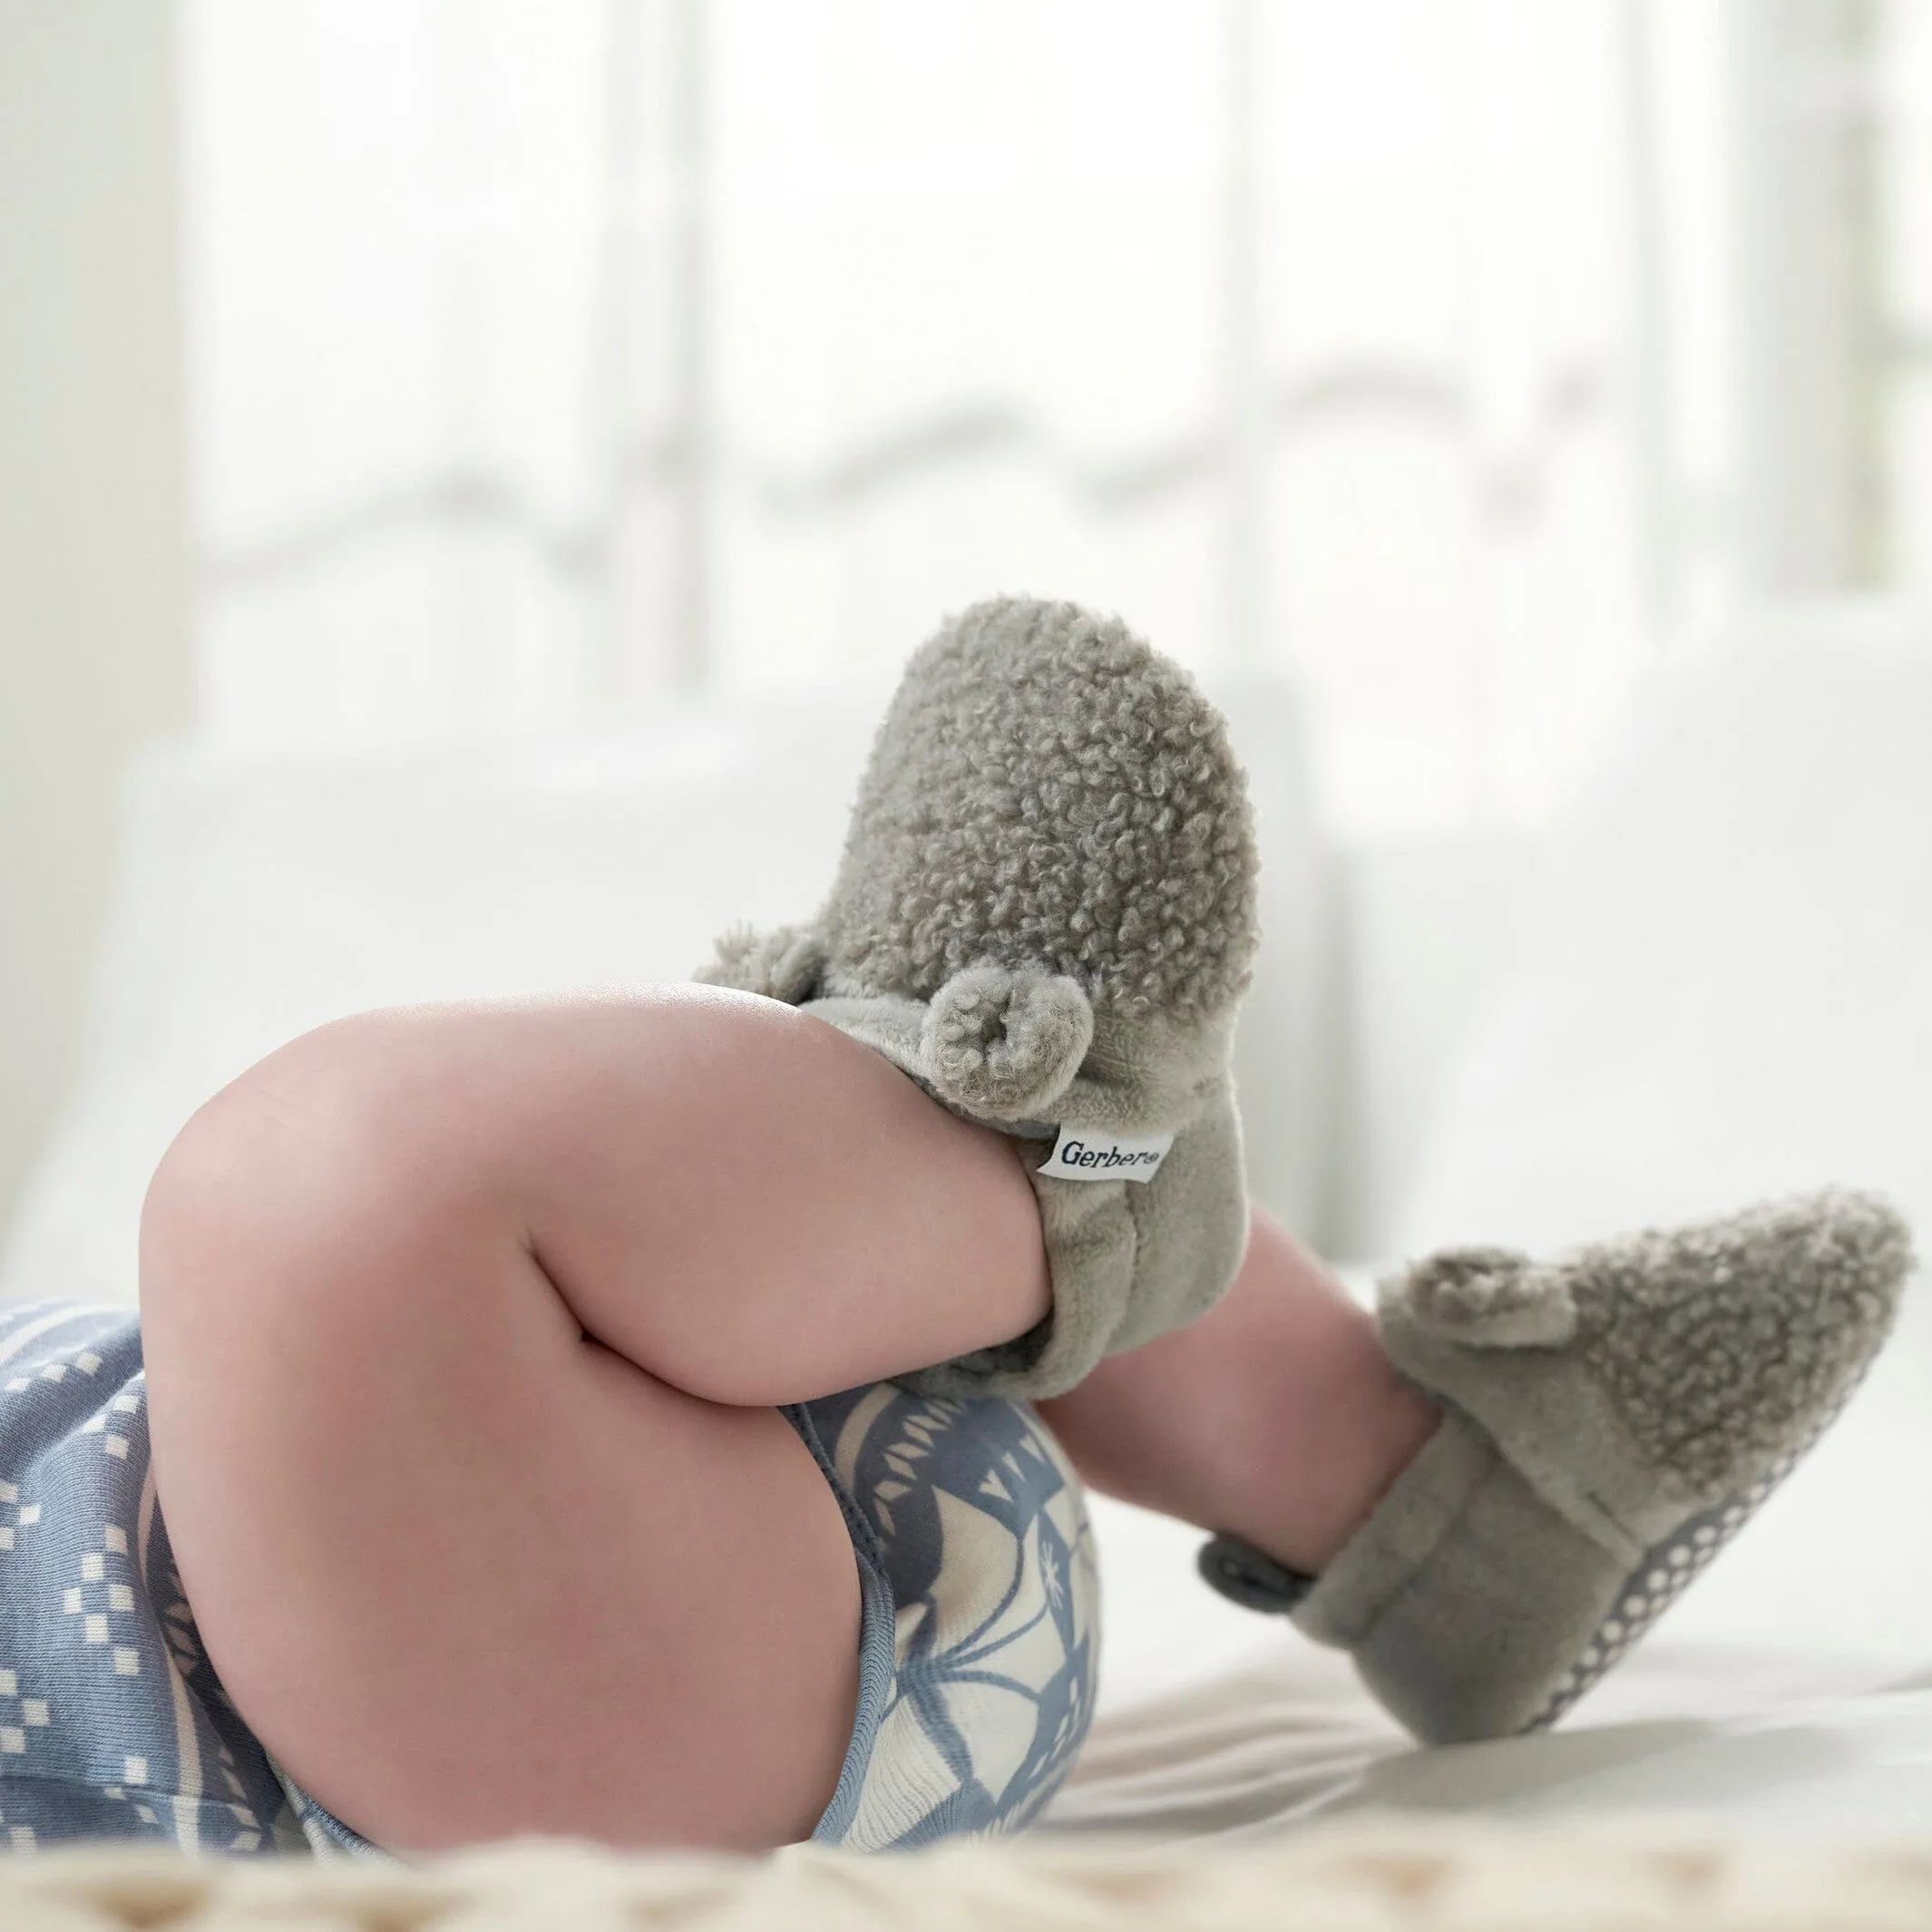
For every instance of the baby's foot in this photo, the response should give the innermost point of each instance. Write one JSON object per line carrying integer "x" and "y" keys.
{"x": 1611, "y": 1419}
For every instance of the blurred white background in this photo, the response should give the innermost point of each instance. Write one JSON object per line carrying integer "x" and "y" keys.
{"x": 398, "y": 371}
{"x": 550, "y": 356}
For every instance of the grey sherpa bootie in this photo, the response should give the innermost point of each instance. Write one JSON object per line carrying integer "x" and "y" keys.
{"x": 1046, "y": 915}
{"x": 1610, "y": 1419}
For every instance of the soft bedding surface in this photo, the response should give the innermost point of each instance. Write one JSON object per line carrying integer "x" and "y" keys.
{"x": 1243, "y": 1731}
{"x": 1460, "y": 1877}
{"x": 1740, "y": 1740}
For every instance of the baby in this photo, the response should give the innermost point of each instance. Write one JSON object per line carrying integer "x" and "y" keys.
{"x": 661, "y": 1420}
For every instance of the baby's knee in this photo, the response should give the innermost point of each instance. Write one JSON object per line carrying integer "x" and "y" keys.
{"x": 310, "y": 1162}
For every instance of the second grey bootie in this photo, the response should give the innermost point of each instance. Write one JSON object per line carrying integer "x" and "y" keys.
{"x": 1046, "y": 915}
{"x": 1611, "y": 1419}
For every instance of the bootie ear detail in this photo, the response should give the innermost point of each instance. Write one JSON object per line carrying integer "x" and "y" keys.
{"x": 1488, "y": 1298}
{"x": 1006, "y": 1043}
{"x": 784, "y": 964}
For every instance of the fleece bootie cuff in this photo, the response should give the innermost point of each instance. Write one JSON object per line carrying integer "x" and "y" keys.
{"x": 1449, "y": 1625}
{"x": 1449, "y": 1532}
{"x": 1127, "y": 1259}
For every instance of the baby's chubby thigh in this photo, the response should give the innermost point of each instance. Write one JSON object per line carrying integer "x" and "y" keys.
{"x": 466, "y": 1572}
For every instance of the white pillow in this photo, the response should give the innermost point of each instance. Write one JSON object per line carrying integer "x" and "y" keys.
{"x": 1723, "y": 991}
{"x": 1724, "y": 984}
{"x": 255, "y": 900}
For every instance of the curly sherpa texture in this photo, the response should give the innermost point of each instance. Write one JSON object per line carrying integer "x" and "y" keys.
{"x": 782, "y": 964}
{"x": 1006, "y": 1042}
{"x": 1047, "y": 793}
{"x": 1492, "y": 1298}
{"x": 1785, "y": 1301}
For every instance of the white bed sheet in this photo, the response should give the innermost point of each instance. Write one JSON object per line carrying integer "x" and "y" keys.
{"x": 1732, "y": 1735}
{"x": 1215, "y": 1723}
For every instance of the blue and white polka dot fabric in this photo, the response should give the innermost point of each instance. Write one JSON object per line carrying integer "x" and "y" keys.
{"x": 111, "y": 1722}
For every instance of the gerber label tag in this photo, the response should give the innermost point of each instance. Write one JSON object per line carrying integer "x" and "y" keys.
{"x": 1080, "y": 1154}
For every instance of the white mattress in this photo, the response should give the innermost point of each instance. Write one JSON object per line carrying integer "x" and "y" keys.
{"x": 1747, "y": 1738}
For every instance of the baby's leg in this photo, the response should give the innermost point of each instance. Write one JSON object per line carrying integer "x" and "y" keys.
{"x": 1608, "y": 1418}
{"x": 461, "y": 1329}
{"x": 1274, "y": 1418}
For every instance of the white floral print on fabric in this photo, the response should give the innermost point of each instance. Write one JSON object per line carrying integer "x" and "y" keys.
{"x": 987, "y": 1546}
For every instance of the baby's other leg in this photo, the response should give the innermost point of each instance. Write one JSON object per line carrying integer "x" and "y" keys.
{"x": 1274, "y": 1418}
{"x": 462, "y": 1327}
{"x": 1508, "y": 1551}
